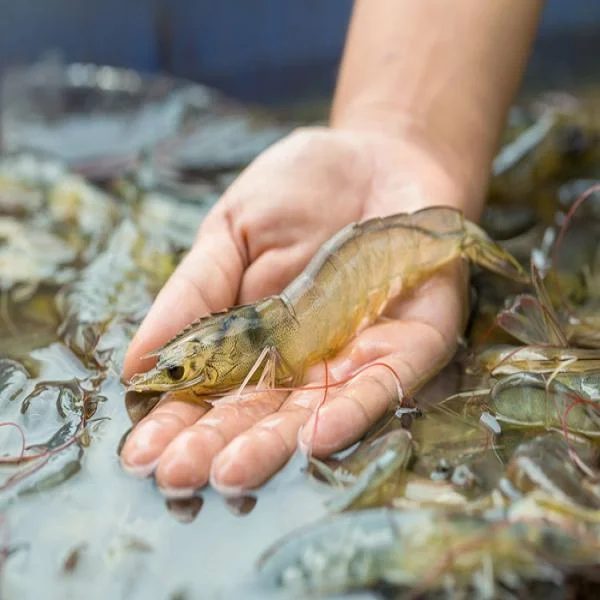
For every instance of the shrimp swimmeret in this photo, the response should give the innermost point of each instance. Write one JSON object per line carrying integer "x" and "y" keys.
{"x": 345, "y": 287}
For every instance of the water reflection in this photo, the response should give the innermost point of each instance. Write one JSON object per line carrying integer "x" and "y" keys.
{"x": 185, "y": 510}
{"x": 241, "y": 506}
{"x": 79, "y": 266}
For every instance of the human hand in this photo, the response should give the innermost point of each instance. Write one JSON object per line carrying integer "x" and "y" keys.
{"x": 258, "y": 237}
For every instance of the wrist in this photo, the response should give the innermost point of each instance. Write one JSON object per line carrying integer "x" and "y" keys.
{"x": 456, "y": 155}
{"x": 440, "y": 73}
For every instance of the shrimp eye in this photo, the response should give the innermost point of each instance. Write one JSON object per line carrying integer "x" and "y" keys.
{"x": 175, "y": 373}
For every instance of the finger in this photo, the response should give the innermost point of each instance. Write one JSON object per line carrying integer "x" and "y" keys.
{"x": 206, "y": 280}
{"x": 152, "y": 435}
{"x": 185, "y": 463}
{"x": 412, "y": 350}
{"x": 252, "y": 457}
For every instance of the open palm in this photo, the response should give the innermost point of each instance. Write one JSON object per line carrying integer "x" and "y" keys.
{"x": 259, "y": 236}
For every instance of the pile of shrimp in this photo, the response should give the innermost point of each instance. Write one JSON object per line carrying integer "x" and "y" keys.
{"x": 507, "y": 458}
{"x": 484, "y": 482}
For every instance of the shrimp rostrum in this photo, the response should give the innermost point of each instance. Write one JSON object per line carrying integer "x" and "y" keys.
{"x": 344, "y": 288}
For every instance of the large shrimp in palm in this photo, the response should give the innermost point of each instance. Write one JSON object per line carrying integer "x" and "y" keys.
{"x": 344, "y": 289}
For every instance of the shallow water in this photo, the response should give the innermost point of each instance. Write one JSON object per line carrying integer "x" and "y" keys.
{"x": 130, "y": 545}
{"x": 73, "y": 524}
{"x": 101, "y": 533}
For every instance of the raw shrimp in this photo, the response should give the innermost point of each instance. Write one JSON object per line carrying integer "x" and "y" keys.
{"x": 534, "y": 321}
{"x": 378, "y": 474}
{"x": 557, "y": 144}
{"x": 507, "y": 360}
{"x": 380, "y": 479}
{"x": 544, "y": 463}
{"x": 345, "y": 288}
{"x": 532, "y": 400}
{"x": 421, "y": 549}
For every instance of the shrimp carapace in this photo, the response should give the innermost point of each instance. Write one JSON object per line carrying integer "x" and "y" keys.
{"x": 345, "y": 287}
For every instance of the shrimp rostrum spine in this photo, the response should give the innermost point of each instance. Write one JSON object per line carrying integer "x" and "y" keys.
{"x": 344, "y": 288}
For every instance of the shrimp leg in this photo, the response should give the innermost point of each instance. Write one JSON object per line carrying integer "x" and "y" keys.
{"x": 273, "y": 361}
{"x": 268, "y": 354}
{"x": 326, "y": 472}
{"x": 372, "y": 480}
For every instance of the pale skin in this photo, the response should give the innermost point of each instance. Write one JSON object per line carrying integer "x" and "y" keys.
{"x": 421, "y": 100}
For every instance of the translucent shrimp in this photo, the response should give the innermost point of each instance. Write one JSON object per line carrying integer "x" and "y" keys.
{"x": 544, "y": 463}
{"x": 380, "y": 479}
{"x": 534, "y": 321}
{"x": 345, "y": 288}
{"x": 532, "y": 400}
{"x": 556, "y": 145}
{"x": 421, "y": 550}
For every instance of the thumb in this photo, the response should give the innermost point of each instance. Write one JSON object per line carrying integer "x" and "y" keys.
{"x": 206, "y": 280}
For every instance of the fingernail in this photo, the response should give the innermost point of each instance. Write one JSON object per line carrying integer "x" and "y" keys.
{"x": 141, "y": 471}
{"x": 140, "y": 448}
{"x": 177, "y": 493}
{"x": 224, "y": 489}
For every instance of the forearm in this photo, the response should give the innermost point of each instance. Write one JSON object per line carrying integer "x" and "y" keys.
{"x": 442, "y": 71}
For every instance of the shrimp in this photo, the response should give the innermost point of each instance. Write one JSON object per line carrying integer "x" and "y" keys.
{"x": 534, "y": 321}
{"x": 531, "y": 400}
{"x": 558, "y": 144}
{"x": 344, "y": 289}
{"x": 382, "y": 477}
{"x": 421, "y": 550}
{"x": 544, "y": 463}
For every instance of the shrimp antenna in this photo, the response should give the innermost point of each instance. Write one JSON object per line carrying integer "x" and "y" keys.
{"x": 307, "y": 449}
{"x": 313, "y": 435}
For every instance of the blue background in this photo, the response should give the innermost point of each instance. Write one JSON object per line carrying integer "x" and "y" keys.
{"x": 257, "y": 50}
